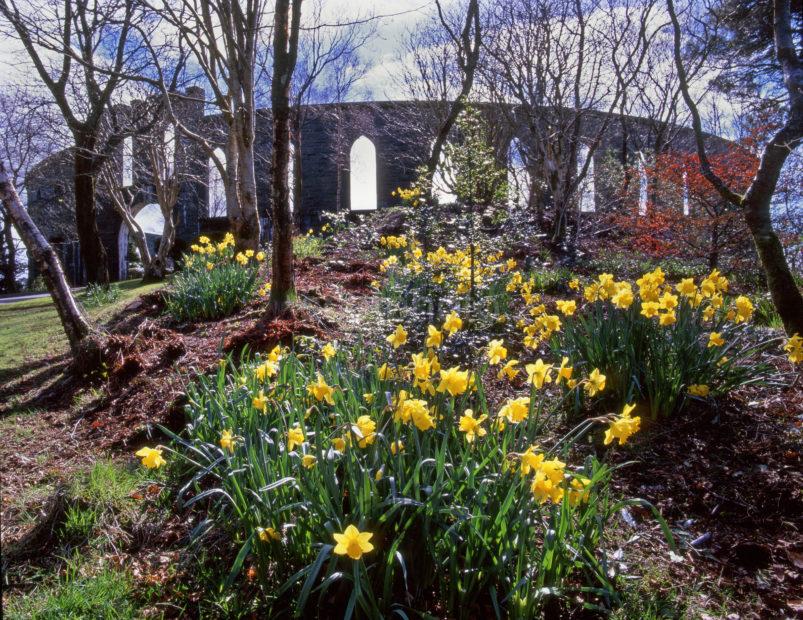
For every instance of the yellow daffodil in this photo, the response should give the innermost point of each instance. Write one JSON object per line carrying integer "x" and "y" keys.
{"x": 266, "y": 370}
{"x": 309, "y": 461}
{"x": 650, "y": 309}
{"x": 365, "y": 431}
{"x": 744, "y": 309}
{"x": 580, "y": 490}
{"x": 328, "y": 351}
{"x": 398, "y": 337}
{"x": 539, "y": 373}
{"x": 595, "y": 383}
{"x": 667, "y": 318}
{"x": 227, "y": 441}
{"x": 794, "y": 349}
{"x": 353, "y": 543}
{"x": 699, "y": 389}
{"x": 623, "y": 426}
{"x": 260, "y": 402}
{"x": 567, "y": 308}
{"x": 496, "y": 352}
{"x": 544, "y": 489}
{"x": 515, "y": 410}
{"x": 471, "y": 425}
{"x": 454, "y": 381}
{"x": 321, "y": 390}
{"x": 295, "y": 437}
{"x": 574, "y": 284}
{"x": 434, "y": 337}
{"x": 368, "y": 398}
{"x": 565, "y": 371}
{"x": 266, "y": 534}
{"x": 151, "y": 457}
{"x": 686, "y": 287}
{"x": 453, "y": 323}
{"x": 396, "y": 447}
{"x": 715, "y": 339}
{"x": 509, "y": 370}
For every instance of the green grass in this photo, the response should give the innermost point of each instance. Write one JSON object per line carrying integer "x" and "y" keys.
{"x": 82, "y": 591}
{"x": 30, "y": 330}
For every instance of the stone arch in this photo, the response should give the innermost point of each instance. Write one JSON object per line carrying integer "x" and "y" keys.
{"x": 518, "y": 177}
{"x": 216, "y": 191}
{"x": 587, "y": 189}
{"x": 362, "y": 175}
{"x": 149, "y": 217}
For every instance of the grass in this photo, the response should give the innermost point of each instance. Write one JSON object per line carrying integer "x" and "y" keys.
{"x": 38, "y": 321}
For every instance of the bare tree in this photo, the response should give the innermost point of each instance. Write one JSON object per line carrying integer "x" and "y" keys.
{"x": 81, "y": 50}
{"x": 158, "y": 177}
{"x": 286, "y": 25}
{"x": 223, "y": 37}
{"x": 80, "y": 333}
{"x": 756, "y": 202}
{"x": 566, "y": 65}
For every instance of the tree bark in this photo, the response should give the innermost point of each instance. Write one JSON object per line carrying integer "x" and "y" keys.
{"x": 246, "y": 229}
{"x": 285, "y": 53}
{"x": 92, "y": 250}
{"x": 10, "y": 260}
{"x": 76, "y": 326}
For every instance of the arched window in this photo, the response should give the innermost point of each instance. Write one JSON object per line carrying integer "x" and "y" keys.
{"x": 685, "y": 193}
{"x": 586, "y": 189}
{"x": 170, "y": 138}
{"x": 127, "y": 169}
{"x": 217, "y": 191}
{"x": 642, "y": 185}
{"x": 362, "y": 175}
{"x": 443, "y": 180}
{"x": 518, "y": 179}
{"x": 150, "y": 219}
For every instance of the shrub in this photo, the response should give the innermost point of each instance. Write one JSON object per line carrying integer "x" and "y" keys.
{"x": 664, "y": 347}
{"x": 463, "y": 510}
{"x": 306, "y": 246}
{"x": 215, "y": 282}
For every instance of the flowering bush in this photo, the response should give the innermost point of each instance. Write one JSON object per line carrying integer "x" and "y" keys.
{"x": 216, "y": 281}
{"x": 392, "y": 484}
{"x": 665, "y": 344}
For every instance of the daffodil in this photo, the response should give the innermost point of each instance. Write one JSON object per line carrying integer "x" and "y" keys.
{"x": 266, "y": 534}
{"x": 434, "y": 337}
{"x": 321, "y": 390}
{"x": 328, "y": 351}
{"x": 396, "y": 447}
{"x": 509, "y": 370}
{"x": 623, "y": 426}
{"x": 530, "y": 460}
{"x": 353, "y": 543}
{"x": 715, "y": 339}
{"x": 309, "y": 461}
{"x": 454, "y": 381}
{"x": 295, "y": 437}
{"x": 496, "y": 352}
{"x": 545, "y": 490}
{"x": 151, "y": 457}
{"x": 516, "y": 409}
{"x": 574, "y": 284}
{"x": 650, "y": 309}
{"x": 794, "y": 349}
{"x": 565, "y": 371}
{"x": 567, "y": 308}
{"x": 667, "y": 318}
{"x": 453, "y": 323}
{"x": 365, "y": 431}
{"x": 471, "y": 426}
{"x": 744, "y": 309}
{"x": 580, "y": 490}
{"x": 539, "y": 373}
{"x": 227, "y": 441}
{"x": 398, "y": 337}
{"x": 266, "y": 370}
{"x": 595, "y": 383}
{"x": 260, "y": 401}
{"x": 699, "y": 389}
{"x": 686, "y": 287}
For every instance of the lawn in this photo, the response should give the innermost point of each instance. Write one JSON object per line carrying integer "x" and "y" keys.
{"x": 31, "y": 329}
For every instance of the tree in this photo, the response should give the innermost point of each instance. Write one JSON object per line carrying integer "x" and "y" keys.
{"x": 566, "y": 64}
{"x": 159, "y": 178}
{"x": 224, "y": 38}
{"x": 756, "y": 201}
{"x": 81, "y": 51}
{"x": 287, "y": 21}
{"x": 79, "y": 331}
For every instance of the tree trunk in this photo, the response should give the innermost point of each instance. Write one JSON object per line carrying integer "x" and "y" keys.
{"x": 156, "y": 269}
{"x": 10, "y": 260}
{"x": 285, "y": 53}
{"x": 295, "y": 136}
{"x": 246, "y": 231}
{"x": 92, "y": 250}
{"x": 76, "y": 326}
